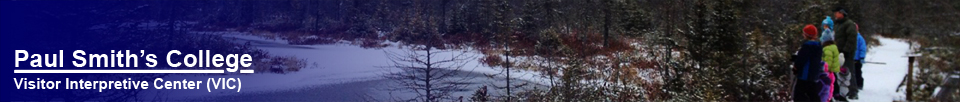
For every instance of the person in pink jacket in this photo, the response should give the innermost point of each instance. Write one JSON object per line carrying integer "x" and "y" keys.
{"x": 827, "y": 80}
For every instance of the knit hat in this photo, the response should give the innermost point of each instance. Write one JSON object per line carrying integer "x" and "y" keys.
{"x": 828, "y": 22}
{"x": 810, "y": 30}
{"x": 858, "y": 27}
{"x": 840, "y": 58}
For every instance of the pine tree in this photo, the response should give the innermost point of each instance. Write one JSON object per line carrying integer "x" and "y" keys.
{"x": 431, "y": 77}
{"x": 480, "y": 95}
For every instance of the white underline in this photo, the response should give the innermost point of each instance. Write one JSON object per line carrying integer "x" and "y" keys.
{"x": 246, "y": 71}
{"x": 125, "y": 71}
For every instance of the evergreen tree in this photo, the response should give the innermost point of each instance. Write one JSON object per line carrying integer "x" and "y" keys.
{"x": 432, "y": 78}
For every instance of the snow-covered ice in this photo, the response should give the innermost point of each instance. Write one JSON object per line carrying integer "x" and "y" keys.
{"x": 332, "y": 69}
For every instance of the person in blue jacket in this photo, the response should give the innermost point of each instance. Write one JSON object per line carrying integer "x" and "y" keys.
{"x": 808, "y": 66}
{"x": 859, "y": 58}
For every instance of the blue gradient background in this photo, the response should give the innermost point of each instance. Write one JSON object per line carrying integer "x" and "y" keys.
{"x": 44, "y": 27}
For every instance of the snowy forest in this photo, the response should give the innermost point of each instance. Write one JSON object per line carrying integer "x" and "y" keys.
{"x": 578, "y": 50}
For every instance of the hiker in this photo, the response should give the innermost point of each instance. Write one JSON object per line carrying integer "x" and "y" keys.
{"x": 830, "y": 51}
{"x": 826, "y": 84}
{"x": 827, "y": 29}
{"x": 845, "y": 36}
{"x": 807, "y": 67}
{"x": 832, "y": 62}
{"x": 858, "y": 60}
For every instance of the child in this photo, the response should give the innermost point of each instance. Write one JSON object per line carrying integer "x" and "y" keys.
{"x": 807, "y": 67}
{"x": 826, "y": 82}
{"x": 827, "y": 29}
{"x": 831, "y": 57}
{"x": 842, "y": 83}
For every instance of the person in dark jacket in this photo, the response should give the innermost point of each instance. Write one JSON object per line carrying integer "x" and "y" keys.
{"x": 808, "y": 66}
{"x": 845, "y": 36}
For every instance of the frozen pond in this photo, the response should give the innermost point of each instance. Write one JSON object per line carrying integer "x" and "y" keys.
{"x": 336, "y": 72}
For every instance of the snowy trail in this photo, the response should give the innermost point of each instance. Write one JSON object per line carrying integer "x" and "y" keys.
{"x": 881, "y": 80}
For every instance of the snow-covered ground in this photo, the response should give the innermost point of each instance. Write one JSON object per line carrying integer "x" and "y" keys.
{"x": 881, "y": 80}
